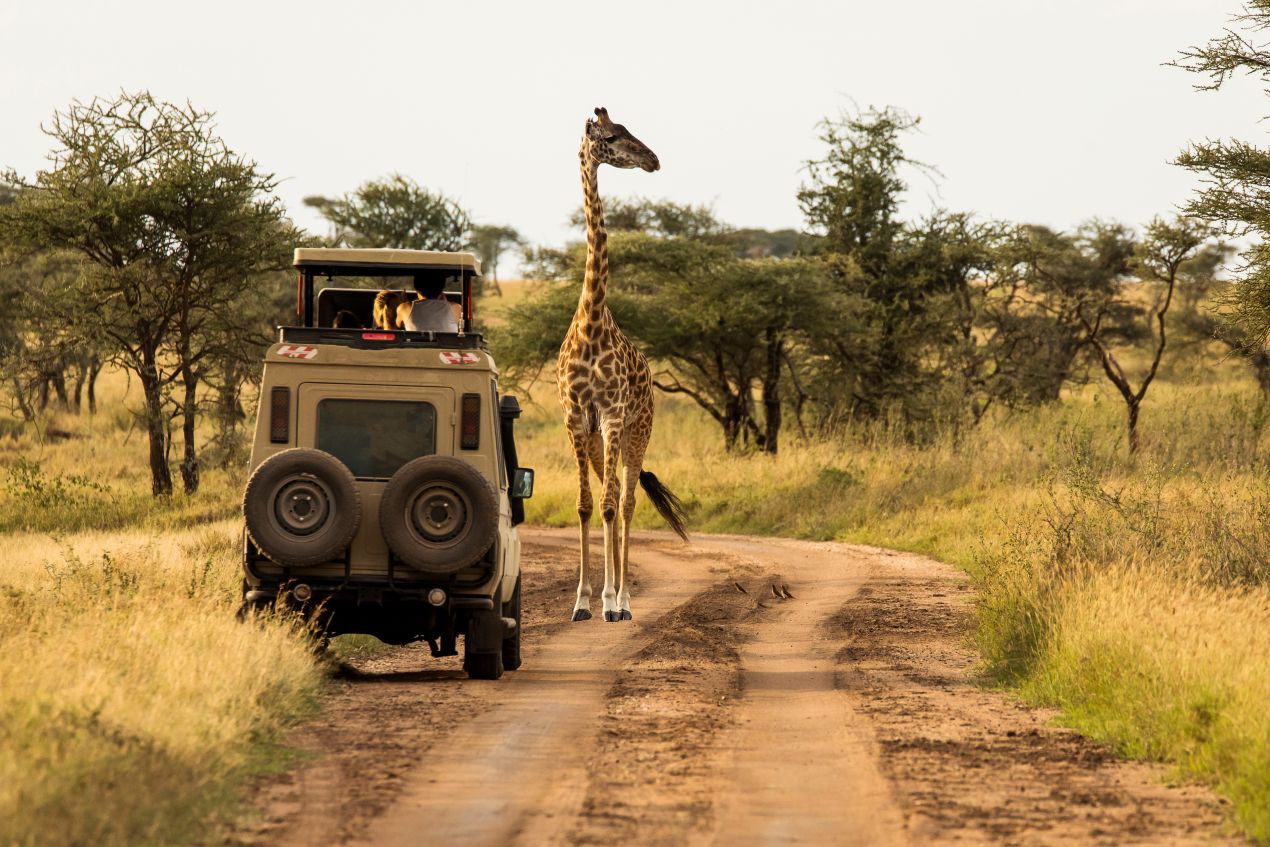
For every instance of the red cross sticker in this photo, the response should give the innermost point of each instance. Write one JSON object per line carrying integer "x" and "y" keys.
{"x": 459, "y": 357}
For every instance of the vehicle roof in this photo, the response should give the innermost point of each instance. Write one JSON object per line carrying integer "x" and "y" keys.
{"x": 385, "y": 257}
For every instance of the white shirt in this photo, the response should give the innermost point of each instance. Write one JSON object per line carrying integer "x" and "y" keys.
{"x": 430, "y": 316}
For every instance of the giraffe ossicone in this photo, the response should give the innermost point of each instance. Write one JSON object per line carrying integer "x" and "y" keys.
{"x": 606, "y": 389}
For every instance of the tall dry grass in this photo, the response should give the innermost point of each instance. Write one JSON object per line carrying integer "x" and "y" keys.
{"x": 131, "y": 701}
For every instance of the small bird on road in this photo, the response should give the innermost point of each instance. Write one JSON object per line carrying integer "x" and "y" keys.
{"x": 785, "y": 592}
{"x": 740, "y": 587}
{"x": 776, "y": 592}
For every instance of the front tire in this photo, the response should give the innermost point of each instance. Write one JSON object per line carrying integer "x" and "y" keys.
{"x": 483, "y": 646}
{"x": 483, "y": 665}
{"x": 511, "y": 644}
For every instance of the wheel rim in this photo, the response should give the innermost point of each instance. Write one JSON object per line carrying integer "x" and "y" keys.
{"x": 301, "y": 505}
{"x": 439, "y": 514}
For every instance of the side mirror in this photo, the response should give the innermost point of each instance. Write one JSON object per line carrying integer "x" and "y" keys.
{"x": 523, "y": 483}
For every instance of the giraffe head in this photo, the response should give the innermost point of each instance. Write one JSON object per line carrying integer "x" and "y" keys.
{"x": 610, "y": 143}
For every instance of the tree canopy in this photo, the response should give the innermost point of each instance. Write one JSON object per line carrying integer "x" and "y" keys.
{"x": 490, "y": 243}
{"x": 170, "y": 228}
{"x": 395, "y": 212}
{"x": 1236, "y": 190}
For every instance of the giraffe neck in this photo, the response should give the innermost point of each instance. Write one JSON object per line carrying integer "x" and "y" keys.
{"x": 595, "y": 282}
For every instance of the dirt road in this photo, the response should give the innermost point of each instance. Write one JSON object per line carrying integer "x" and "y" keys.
{"x": 767, "y": 692}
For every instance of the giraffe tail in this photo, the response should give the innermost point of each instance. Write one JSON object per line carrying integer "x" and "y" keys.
{"x": 670, "y": 507}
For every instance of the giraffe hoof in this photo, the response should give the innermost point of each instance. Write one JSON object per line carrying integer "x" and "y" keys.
{"x": 581, "y": 615}
{"x": 611, "y": 617}
{"x": 626, "y": 615}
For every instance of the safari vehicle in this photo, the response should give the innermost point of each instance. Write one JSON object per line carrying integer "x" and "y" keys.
{"x": 385, "y": 490}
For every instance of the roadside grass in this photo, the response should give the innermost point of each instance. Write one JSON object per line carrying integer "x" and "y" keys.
{"x": 131, "y": 701}
{"x": 1132, "y": 592}
{"x": 69, "y": 473}
{"x": 1168, "y": 670}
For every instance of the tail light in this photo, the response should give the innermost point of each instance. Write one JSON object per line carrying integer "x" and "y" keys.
{"x": 470, "y": 422}
{"x": 379, "y": 336}
{"x": 280, "y": 415}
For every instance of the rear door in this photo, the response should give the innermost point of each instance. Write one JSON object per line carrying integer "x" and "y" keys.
{"x": 374, "y": 430}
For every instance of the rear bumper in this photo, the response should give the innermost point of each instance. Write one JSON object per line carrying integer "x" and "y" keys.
{"x": 394, "y": 617}
{"x": 337, "y": 580}
{"x": 361, "y": 596}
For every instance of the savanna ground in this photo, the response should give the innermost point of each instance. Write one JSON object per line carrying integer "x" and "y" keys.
{"x": 1131, "y": 593}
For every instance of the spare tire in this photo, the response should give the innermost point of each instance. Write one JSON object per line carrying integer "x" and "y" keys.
{"x": 438, "y": 514}
{"x": 302, "y": 507}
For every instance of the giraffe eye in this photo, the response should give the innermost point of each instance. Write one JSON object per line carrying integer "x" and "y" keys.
{"x": 610, "y": 138}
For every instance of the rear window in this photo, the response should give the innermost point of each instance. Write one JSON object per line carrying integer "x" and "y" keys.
{"x": 376, "y": 437}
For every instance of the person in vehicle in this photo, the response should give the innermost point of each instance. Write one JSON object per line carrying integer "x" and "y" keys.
{"x": 432, "y": 313}
{"x": 386, "y": 307}
{"x": 344, "y": 319}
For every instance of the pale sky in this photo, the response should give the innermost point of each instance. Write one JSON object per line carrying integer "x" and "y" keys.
{"x": 1033, "y": 110}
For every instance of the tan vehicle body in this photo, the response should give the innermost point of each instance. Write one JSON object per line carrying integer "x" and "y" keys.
{"x": 450, "y": 382}
{"x": 347, "y": 373}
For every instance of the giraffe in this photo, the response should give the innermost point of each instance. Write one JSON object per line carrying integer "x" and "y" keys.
{"x": 606, "y": 388}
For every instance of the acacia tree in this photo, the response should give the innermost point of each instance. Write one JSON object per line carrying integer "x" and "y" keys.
{"x": 1054, "y": 280}
{"x": 1203, "y": 296}
{"x": 36, "y": 353}
{"x": 730, "y": 334}
{"x": 662, "y": 218}
{"x": 853, "y": 194}
{"x": 395, "y": 212}
{"x": 231, "y": 346}
{"x": 490, "y": 243}
{"x": 170, "y": 225}
{"x": 33, "y": 356}
{"x": 1236, "y": 194}
{"x": 885, "y": 267}
{"x": 1159, "y": 258}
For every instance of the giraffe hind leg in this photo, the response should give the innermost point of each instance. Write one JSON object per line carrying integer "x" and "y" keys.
{"x": 630, "y": 476}
{"x": 632, "y": 464}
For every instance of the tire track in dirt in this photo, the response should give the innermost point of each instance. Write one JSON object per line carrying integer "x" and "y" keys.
{"x": 852, "y": 716}
{"x": 650, "y": 779}
{"x": 804, "y": 765}
{"x": 518, "y": 771}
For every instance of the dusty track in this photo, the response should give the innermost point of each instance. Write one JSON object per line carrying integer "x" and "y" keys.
{"x": 844, "y": 714}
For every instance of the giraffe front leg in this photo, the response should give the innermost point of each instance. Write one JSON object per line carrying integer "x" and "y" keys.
{"x": 611, "y": 610}
{"x": 608, "y": 511}
{"x": 629, "y": 479}
{"x": 582, "y": 606}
